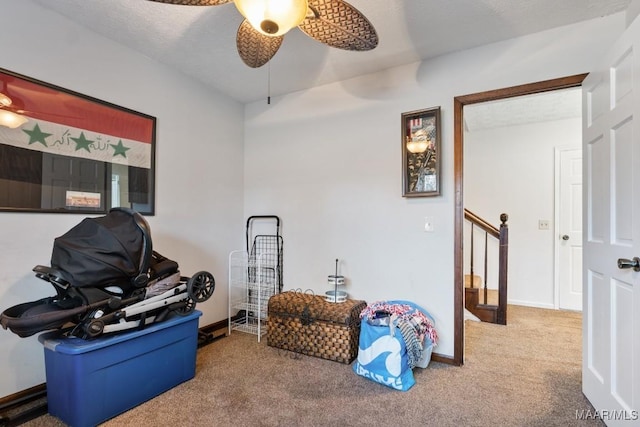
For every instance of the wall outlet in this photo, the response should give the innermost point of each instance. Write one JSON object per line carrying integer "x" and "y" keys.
{"x": 543, "y": 224}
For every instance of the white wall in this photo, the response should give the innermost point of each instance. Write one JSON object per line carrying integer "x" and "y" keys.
{"x": 632, "y": 11}
{"x": 199, "y": 213}
{"x": 328, "y": 161}
{"x": 511, "y": 169}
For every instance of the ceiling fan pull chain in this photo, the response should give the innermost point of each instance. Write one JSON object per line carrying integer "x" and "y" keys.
{"x": 269, "y": 83}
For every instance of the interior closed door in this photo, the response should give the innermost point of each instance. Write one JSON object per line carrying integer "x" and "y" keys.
{"x": 569, "y": 230}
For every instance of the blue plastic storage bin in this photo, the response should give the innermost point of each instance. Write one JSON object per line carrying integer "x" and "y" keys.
{"x": 89, "y": 382}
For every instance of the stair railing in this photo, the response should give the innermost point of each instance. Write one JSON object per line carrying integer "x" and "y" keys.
{"x": 502, "y": 236}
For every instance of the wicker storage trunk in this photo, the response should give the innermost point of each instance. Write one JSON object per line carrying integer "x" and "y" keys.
{"x": 307, "y": 324}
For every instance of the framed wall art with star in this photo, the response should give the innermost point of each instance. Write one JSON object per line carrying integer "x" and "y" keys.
{"x": 62, "y": 151}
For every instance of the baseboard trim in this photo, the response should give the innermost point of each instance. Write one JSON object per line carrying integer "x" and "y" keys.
{"x": 529, "y": 304}
{"x": 437, "y": 357}
{"x": 212, "y": 332}
{"x": 23, "y": 406}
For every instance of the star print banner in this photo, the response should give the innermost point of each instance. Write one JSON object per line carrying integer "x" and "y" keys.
{"x": 69, "y": 124}
{"x": 56, "y": 138}
{"x": 57, "y": 144}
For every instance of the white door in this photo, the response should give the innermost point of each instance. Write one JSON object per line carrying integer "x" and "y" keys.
{"x": 569, "y": 230}
{"x": 611, "y": 171}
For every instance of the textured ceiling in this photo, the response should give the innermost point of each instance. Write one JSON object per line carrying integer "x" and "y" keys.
{"x": 522, "y": 110}
{"x": 200, "y": 41}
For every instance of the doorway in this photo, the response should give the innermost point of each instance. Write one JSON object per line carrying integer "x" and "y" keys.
{"x": 526, "y": 162}
{"x": 459, "y": 104}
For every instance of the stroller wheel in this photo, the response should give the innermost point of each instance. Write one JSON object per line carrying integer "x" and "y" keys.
{"x": 186, "y": 307}
{"x": 200, "y": 286}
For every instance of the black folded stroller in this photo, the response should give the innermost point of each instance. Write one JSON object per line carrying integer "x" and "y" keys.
{"x": 108, "y": 278}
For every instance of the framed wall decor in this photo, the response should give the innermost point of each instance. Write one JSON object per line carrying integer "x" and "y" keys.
{"x": 61, "y": 151}
{"x": 421, "y": 153}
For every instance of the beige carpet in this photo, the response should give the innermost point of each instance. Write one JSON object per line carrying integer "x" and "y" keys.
{"x": 524, "y": 374}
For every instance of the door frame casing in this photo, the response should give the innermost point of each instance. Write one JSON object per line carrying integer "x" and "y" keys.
{"x": 458, "y": 160}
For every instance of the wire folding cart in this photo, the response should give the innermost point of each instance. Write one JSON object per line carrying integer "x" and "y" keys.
{"x": 267, "y": 248}
{"x": 255, "y": 274}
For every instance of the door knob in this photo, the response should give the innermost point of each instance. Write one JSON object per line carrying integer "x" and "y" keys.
{"x": 629, "y": 263}
{"x": 565, "y": 237}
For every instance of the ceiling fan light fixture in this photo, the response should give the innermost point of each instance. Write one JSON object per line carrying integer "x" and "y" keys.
{"x": 273, "y": 17}
{"x": 11, "y": 119}
{"x": 5, "y": 101}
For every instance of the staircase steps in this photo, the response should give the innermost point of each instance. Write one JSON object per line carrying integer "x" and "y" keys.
{"x": 474, "y": 299}
{"x": 477, "y": 281}
{"x": 480, "y": 301}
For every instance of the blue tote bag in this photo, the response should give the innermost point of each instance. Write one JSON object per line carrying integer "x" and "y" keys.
{"x": 382, "y": 351}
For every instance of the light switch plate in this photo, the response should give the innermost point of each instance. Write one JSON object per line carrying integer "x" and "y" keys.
{"x": 428, "y": 224}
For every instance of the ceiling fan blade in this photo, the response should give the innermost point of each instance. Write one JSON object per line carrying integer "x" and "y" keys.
{"x": 255, "y": 48}
{"x": 338, "y": 24}
{"x": 194, "y": 2}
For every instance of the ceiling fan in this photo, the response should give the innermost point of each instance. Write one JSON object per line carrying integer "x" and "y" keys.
{"x": 332, "y": 22}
